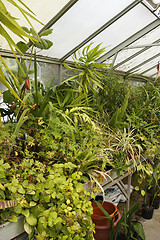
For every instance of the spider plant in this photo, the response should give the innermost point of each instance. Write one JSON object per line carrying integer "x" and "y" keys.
{"x": 124, "y": 149}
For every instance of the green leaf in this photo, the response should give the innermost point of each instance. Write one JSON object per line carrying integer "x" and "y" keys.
{"x": 26, "y": 29}
{"x": 13, "y": 218}
{"x": 139, "y": 230}
{"x": 3, "y": 80}
{"x": 46, "y": 32}
{"x": 31, "y": 220}
{"x": 26, "y": 212}
{"x": 137, "y": 188}
{"x": 79, "y": 187}
{"x": 21, "y": 190}
{"x": 143, "y": 193}
{"x": 8, "y": 97}
{"x": 21, "y": 121}
{"x": 22, "y": 46}
{"x": 27, "y": 228}
{"x": 32, "y": 204}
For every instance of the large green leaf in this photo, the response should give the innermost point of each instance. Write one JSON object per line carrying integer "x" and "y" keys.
{"x": 31, "y": 220}
{"x": 27, "y": 228}
{"x": 139, "y": 230}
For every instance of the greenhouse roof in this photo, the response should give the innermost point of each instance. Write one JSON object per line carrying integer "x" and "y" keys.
{"x": 129, "y": 30}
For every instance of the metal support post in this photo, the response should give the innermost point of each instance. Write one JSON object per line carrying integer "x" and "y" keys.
{"x": 128, "y": 192}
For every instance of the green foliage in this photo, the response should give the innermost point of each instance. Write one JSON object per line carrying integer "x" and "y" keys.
{"x": 11, "y": 23}
{"x": 132, "y": 230}
{"x": 52, "y": 199}
{"x": 148, "y": 179}
{"x": 87, "y": 72}
{"x": 118, "y": 115}
{"x": 123, "y": 150}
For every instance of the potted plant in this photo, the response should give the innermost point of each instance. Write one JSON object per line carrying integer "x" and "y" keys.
{"x": 123, "y": 150}
{"x": 132, "y": 229}
{"x": 145, "y": 180}
{"x": 123, "y": 225}
{"x": 104, "y": 229}
{"x": 98, "y": 216}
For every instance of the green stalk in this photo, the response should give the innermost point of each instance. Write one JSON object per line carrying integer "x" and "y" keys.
{"x": 35, "y": 78}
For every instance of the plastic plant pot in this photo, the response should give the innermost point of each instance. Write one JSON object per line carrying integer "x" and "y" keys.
{"x": 147, "y": 212}
{"x": 103, "y": 232}
{"x": 98, "y": 216}
{"x": 156, "y": 203}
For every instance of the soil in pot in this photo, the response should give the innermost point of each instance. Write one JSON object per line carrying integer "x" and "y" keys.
{"x": 98, "y": 216}
{"x": 147, "y": 212}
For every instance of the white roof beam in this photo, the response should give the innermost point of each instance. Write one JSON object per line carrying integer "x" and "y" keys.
{"x": 144, "y": 45}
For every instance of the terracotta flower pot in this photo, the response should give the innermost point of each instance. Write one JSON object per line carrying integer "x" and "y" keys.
{"x": 103, "y": 232}
{"x": 98, "y": 216}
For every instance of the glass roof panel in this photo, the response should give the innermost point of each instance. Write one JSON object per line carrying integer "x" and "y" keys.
{"x": 150, "y": 64}
{"x": 139, "y": 59}
{"x": 43, "y": 12}
{"x": 85, "y": 17}
{"x": 124, "y": 27}
{"x": 151, "y": 72}
{"x": 149, "y": 38}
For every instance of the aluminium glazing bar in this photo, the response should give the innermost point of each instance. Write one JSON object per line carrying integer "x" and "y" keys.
{"x": 101, "y": 29}
{"x": 40, "y": 58}
{"x": 150, "y": 10}
{"x": 144, "y": 45}
{"x": 130, "y": 40}
{"x": 134, "y": 55}
{"x": 149, "y": 69}
{"x": 146, "y": 61}
{"x": 58, "y": 15}
{"x": 153, "y": 75}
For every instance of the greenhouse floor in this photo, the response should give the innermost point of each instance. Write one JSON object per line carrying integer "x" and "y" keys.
{"x": 152, "y": 227}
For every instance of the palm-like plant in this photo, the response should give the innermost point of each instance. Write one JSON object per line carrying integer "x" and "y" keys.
{"x": 86, "y": 71}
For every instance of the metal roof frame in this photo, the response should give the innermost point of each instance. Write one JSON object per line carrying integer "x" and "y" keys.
{"x": 144, "y": 62}
{"x": 58, "y": 15}
{"x": 130, "y": 40}
{"x": 136, "y": 54}
{"x": 114, "y": 51}
{"x": 149, "y": 69}
{"x": 107, "y": 24}
{"x": 124, "y": 45}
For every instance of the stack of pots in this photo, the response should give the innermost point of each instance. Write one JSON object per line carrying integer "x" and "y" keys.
{"x": 102, "y": 226}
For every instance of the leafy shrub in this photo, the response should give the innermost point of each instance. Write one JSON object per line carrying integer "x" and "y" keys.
{"x": 52, "y": 199}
